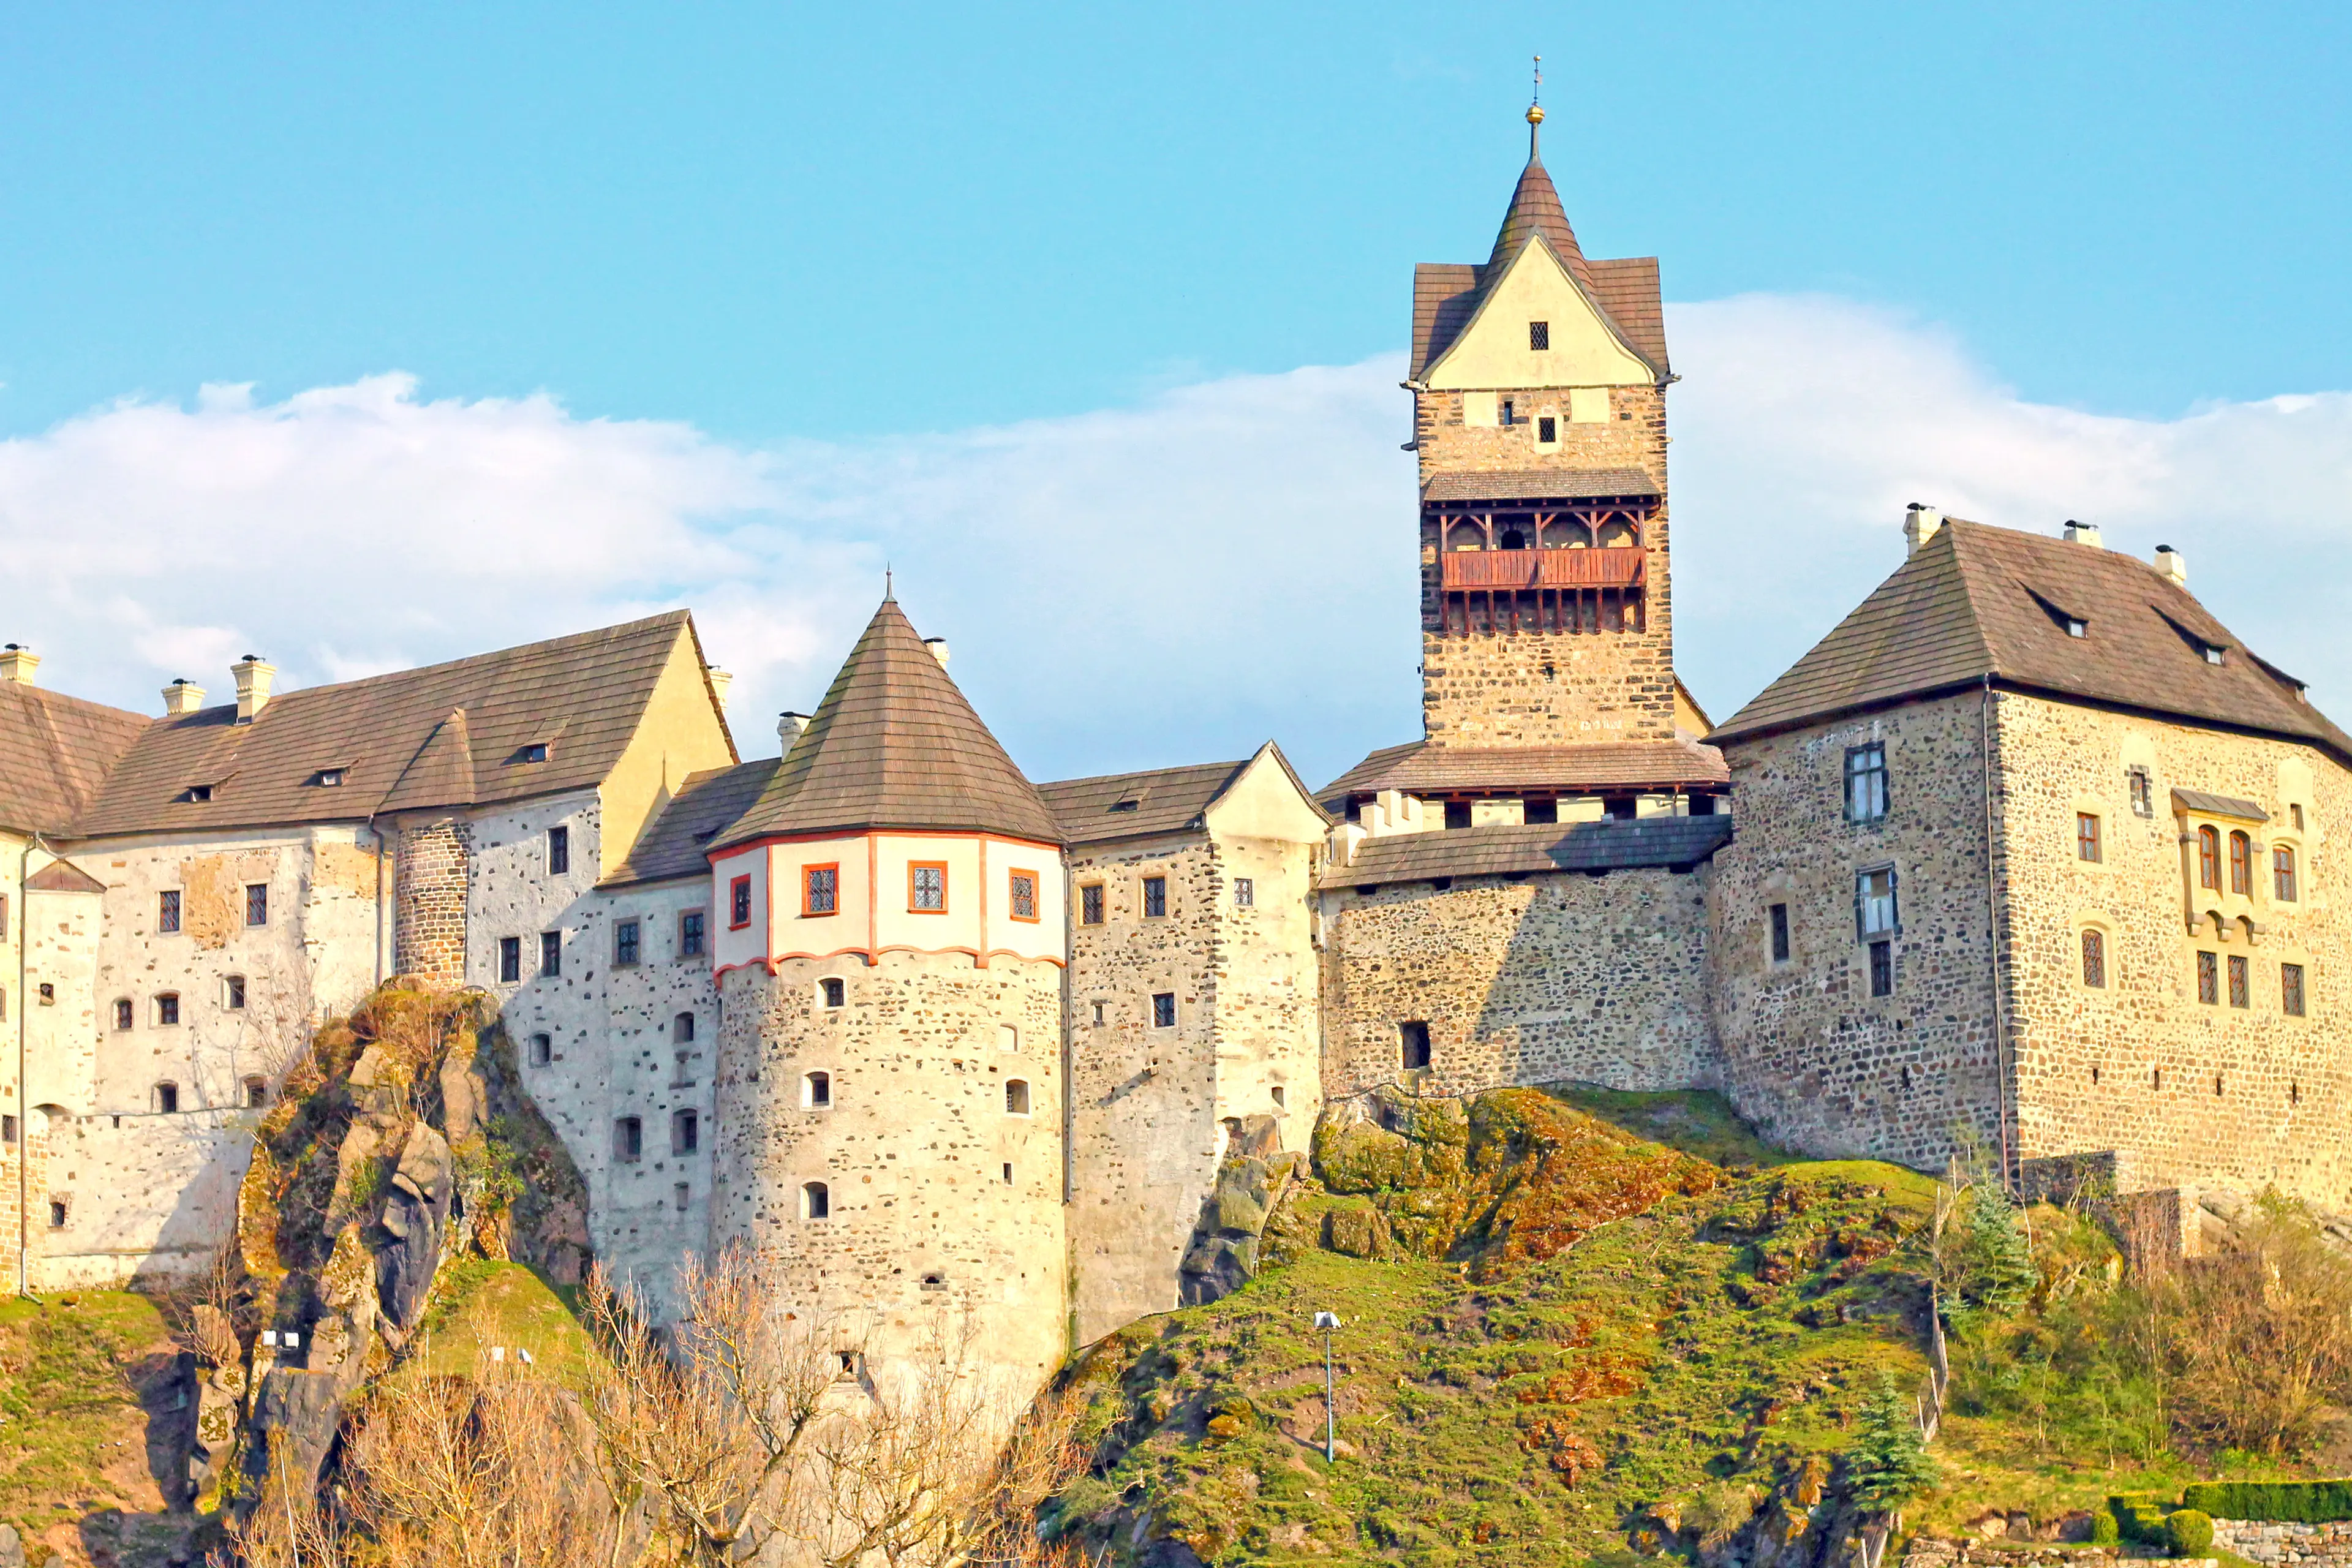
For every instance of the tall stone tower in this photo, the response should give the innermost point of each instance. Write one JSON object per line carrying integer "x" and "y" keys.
{"x": 1538, "y": 384}
{"x": 890, "y": 945}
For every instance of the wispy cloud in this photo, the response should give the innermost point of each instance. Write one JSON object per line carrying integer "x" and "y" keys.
{"x": 1178, "y": 580}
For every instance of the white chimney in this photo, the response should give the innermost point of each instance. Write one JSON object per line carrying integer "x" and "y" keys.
{"x": 2172, "y": 563}
{"x": 181, "y": 697}
{"x": 939, "y": 647}
{"x": 1920, "y": 523}
{"x": 2084, "y": 533}
{"x": 789, "y": 726}
{"x": 720, "y": 680}
{"x": 18, "y": 663}
{"x": 253, "y": 678}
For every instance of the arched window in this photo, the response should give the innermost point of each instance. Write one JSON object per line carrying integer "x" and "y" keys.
{"x": 816, "y": 1201}
{"x": 2209, "y": 857}
{"x": 1514, "y": 539}
{"x": 1016, "y": 1097}
{"x": 2283, "y": 873}
{"x": 2095, "y": 957}
{"x": 167, "y": 1097}
{"x": 2241, "y": 863}
{"x": 816, "y": 1090}
{"x": 681, "y": 1029}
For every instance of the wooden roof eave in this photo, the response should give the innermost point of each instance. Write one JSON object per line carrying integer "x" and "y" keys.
{"x": 1487, "y": 297}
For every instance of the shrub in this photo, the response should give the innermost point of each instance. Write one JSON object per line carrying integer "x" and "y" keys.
{"x": 2276, "y": 1502}
{"x": 2102, "y": 1529}
{"x": 2190, "y": 1533}
{"x": 2139, "y": 1518}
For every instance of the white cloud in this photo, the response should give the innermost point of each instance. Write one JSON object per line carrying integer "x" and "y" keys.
{"x": 1170, "y": 582}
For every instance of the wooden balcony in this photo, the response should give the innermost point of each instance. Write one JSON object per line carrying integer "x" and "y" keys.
{"x": 1506, "y": 571}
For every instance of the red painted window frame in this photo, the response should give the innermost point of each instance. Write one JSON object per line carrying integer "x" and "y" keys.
{"x": 738, "y": 896}
{"x": 915, "y": 865}
{"x": 1012, "y": 901}
{"x": 808, "y": 874}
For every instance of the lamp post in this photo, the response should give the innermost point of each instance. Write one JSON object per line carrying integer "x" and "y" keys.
{"x": 1330, "y": 1323}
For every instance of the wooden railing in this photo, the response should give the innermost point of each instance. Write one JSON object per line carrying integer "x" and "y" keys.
{"x": 1503, "y": 571}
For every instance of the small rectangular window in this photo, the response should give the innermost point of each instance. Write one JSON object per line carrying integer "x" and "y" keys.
{"x": 1509, "y": 415}
{"x": 836, "y": 991}
{"x": 1099, "y": 1014}
{"x": 1874, "y": 903}
{"x": 1882, "y": 969}
{"x": 626, "y": 944}
{"x": 124, "y": 1013}
{"x": 167, "y": 910}
{"x": 510, "y": 960}
{"x": 233, "y": 993}
{"x": 1866, "y": 782}
{"x": 738, "y": 903}
{"x": 257, "y": 1093}
{"x": 1022, "y": 886}
{"x": 7, "y": 1129}
{"x": 256, "y": 904}
{"x": 1538, "y": 336}
{"x": 1542, "y": 808}
{"x": 558, "y": 851}
{"x": 926, "y": 886}
{"x": 2086, "y": 836}
{"x": 2240, "y": 981}
{"x": 542, "y": 1050}
{"x": 3, "y": 917}
{"x": 628, "y": 1140}
{"x": 550, "y": 952}
{"x": 1163, "y": 1010}
{"x": 1779, "y": 934}
{"x": 2293, "y": 814}
{"x": 56, "y": 1214}
{"x": 1412, "y": 1045}
{"x": 2143, "y": 793}
{"x": 1244, "y": 893}
{"x": 2208, "y": 979}
{"x": 820, "y": 889}
{"x": 2094, "y": 958}
{"x": 689, "y": 934}
{"x": 167, "y": 1008}
{"x": 685, "y": 1132}
{"x": 2283, "y": 873}
{"x": 2291, "y": 990}
{"x": 1547, "y": 428}
{"x": 1155, "y": 897}
{"x": 681, "y": 1195}
{"x": 1090, "y": 904}
{"x": 330, "y": 778}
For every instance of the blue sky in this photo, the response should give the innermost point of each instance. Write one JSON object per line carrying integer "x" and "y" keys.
{"x": 367, "y": 336}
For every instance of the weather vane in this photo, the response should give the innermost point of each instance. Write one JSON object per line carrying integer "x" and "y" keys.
{"x": 1538, "y": 97}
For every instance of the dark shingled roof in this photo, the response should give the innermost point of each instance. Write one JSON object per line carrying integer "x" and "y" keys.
{"x": 447, "y": 734}
{"x": 678, "y": 842}
{"x": 894, "y": 745}
{"x": 1535, "y": 210}
{"x": 1164, "y": 800}
{"x": 54, "y": 753}
{"x": 2197, "y": 800}
{"x": 1978, "y": 602}
{"x": 1540, "y": 484}
{"x": 1536, "y": 846}
{"x": 1419, "y": 768}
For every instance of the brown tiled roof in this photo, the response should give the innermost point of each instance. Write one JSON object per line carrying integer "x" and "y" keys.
{"x": 55, "y": 752}
{"x": 1445, "y": 295}
{"x": 1156, "y": 800}
{"x": 447, "y": 734}
{"x": 1419, "y": 768}
{"x": 1978, "y": 602}
{"x": 678, "y": 842}
{"x": 2197, "y": 800}
{"x": 1682, "y": 841}
{"x": 1540, "y": 484}
{"x": 63, "y": 876}
{"x": 894, "y": 745}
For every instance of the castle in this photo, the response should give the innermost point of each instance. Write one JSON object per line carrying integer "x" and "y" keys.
{"x": 2029, "y": 853}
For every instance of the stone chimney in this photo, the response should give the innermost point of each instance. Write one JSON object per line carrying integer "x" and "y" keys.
{"x": 181, "y": 697}
{"x": 2172, "y": 565}
{"x": 789, "y": 726}
{"x": 1920, "y": 523}
{"x": 2084, "y": 533}
{"x": 18, "y": 663}
{"x": 253, "y": 678}
{"x": 939, "y": 647}
{"x": 720, "y": 680}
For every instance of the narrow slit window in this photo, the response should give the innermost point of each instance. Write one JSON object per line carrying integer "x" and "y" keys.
{"x": 2143, "y": 793}
{"x": 2242, "y": 864}
{"x": 2208, "y": 979}
{"x": 2282, "y": 887}
{"x": 1779, "y": 934}
{"x": 1882, "y": 969}
{"x": 2241, "y": 986}
{"x": 2086, "y": 836}
{"x": 558, "y": 851}
{"x": 2209, "y": 857}
{"x": 2291, "y": 990}
{"x": 510, "y": 960}
{"x": 550, "y": 952}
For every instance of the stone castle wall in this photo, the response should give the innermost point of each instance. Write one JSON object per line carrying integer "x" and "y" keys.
{"x": 944, "y": 1207}
{"x": 1548, "y": 689}
{"x": 1809, "y": 1055}
{"x": 2196, "y": 1093}
{"x": 1535, "y": 980}
{"x": 429, "y": 929}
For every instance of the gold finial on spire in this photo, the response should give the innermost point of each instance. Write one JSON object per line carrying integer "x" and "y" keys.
{"x": 1535, "y": 108}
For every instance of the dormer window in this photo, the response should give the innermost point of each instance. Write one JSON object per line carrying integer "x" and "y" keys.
{"x": 1131, "y": 803}
{"x": 2075, "y": 628}
{"x": 1538, "y": 336}
{"x": 196, "y": 794}
{"x": 2213, "y": 653}
{"x": 534, "y": 753}
{"x": 330, "y": 778}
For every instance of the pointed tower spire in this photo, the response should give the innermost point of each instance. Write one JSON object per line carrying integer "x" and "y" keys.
{"x": 1535, "y": 209}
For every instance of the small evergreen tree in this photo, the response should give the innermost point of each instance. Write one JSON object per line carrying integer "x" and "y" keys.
{"x": 1888, "y": 1463}
{"x": 1998, "y": 1268}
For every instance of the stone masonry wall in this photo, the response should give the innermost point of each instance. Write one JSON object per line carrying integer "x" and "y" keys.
{"x": 1810, "y": 1056}
{"x": 1264, "y": 987}
{"x": 1145, "y": 1104}
{"x": 2329, "y": 1545}
{"x": 943, "y": 1203}
{"x": 429, "y": 924}
{"x": 1549, "y": 689}
{"x": 1537, "y": 980}
{"x": 2196, "y": 1093}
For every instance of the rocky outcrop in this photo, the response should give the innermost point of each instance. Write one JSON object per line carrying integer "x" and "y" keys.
{"x": 1224, "y": 1254}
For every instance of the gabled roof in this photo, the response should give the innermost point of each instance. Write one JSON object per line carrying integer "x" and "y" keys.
{"x": 63, "y": 876}
{"x": 1419, "y": 768}
{"x": 895, "y": 745}
{"x": 446, "y": 734}
{"x": 1978, "y": 604}
{"x": 54, "y": 753}
{"x": 678, "y": 842}
{"x": 1447, "y": 295}
{"x": 1654, "y": 841}
{"x": 1154, "y": 800}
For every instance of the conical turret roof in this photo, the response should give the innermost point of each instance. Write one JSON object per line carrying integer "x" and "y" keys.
{"x": 895, "y": 745}
{"x": 1535, "y": 209}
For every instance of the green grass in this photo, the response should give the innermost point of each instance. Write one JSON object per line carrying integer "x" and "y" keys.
{"x": 72, "y": 1435}
{"x": 1693, "y": 1120}
{"x": 478, "y": 1303}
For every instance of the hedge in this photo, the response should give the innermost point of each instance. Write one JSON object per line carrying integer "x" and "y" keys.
{"x": 2139, "y": 1518}
{"x": 2191, "y": 1532}
{"x": 2275, "y": 1502}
